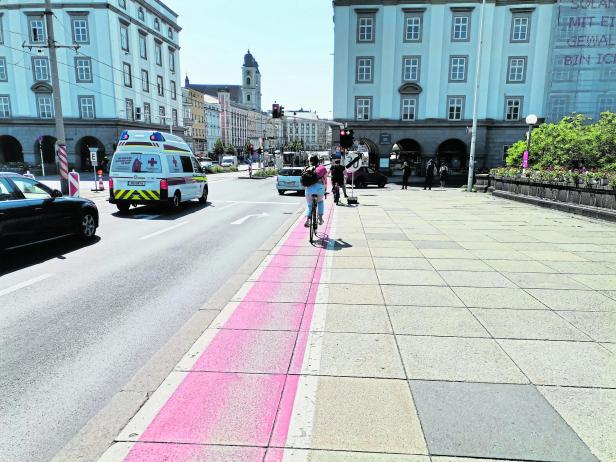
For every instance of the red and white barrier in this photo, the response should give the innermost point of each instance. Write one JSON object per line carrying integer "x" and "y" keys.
{"x": 73, "y": 184}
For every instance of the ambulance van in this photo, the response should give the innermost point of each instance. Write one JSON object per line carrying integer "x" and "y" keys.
{"x": 154, "y": 168}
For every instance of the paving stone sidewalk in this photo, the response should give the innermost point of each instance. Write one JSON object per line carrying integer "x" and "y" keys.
{"x": 447, "y": 327}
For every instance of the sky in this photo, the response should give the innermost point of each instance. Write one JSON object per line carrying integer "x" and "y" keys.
{"x": 292, "y": 40}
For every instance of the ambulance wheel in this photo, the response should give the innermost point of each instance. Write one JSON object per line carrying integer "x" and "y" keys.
{"x": 203, "y": 198}
{"x": 123, "y": 207}
{"x": 175, "y": 201}
{"x": 281, "y": 192}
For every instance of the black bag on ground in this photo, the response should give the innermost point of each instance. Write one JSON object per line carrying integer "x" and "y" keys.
{"x": 309, "y": 177}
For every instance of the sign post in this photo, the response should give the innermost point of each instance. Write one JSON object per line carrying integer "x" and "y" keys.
{"x": 94, "y": 161}
{"x": 352, "y": 163}
{"x": 40, "y": 142}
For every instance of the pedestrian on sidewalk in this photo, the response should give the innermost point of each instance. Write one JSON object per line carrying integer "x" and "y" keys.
{"x": 443, "y": 173}
{"x": 338, "y": 173}
{"x": 430, "y": 168}
{"x": 406, "y": 172}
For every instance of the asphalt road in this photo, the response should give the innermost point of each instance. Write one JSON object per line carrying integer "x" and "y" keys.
{"x": 76, "y": 322}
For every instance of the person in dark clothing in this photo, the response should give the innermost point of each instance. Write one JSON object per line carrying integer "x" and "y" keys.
{"x": 429, "y": 174}
{"x": 406, "y": 172}
{"x": 337, "y": 172}
{"x": 443, "y": 172}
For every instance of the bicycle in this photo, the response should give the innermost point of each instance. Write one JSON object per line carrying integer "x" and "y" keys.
{"x": 314, "y": 223}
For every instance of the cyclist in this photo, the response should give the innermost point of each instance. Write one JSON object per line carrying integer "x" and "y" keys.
{"x": 317, "y": 188}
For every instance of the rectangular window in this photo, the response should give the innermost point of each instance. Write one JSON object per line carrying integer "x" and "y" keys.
{"x": 36, "y": 26}
{"x": 83, "y": 69}
{"x": 364, "y": 69}
{"x": 122, "y": 3}
{"x": 124, "y": 38}
{"x": 143, "y": 46}
{"x": 147, "y": 113}
{"x": 513, "y": 108}
{"x": 174, "y": 91}
{"x": 171, "y": 60}
{"x": 457, "y": 68}
{"x": 128, "y": 75}
{"x": 3, "y": 74}
{"x": 460, "y": 28}
{"x": 363, "y": 107}
{"x": 410, "y": 68}
{"x": 516, "y": 70}
{"x": 130, "y": 109}
{"x": 365, "y": 28}
{"x": 412, "y": 27}
{"x": 5, "y": 107}
{"x": 455, "y": 107}
{"x": 40, "y": 69}
{"x": 86, "y": 107}
{"x": 44, "y": 104}
{"x": 606, "y": 103}
{"x": 409, "y": 107}
{"x": 1, "y": 31}
{"x": 558, "y": 107}
{"x": 161, "y": 113}
{"x": 520, "y": 28}
{"x": 174, "y": 117}
{"x": 158, "y": 51}
{"x": 80, "y": 30}
{"x": 145, "y": 81}
{"x": 160, "y": 86}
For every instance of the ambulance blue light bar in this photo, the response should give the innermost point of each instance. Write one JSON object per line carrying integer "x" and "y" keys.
{"x": 157, "y": 136}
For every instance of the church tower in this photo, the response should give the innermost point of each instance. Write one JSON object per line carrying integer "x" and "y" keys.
{"x": 251, "y": 82}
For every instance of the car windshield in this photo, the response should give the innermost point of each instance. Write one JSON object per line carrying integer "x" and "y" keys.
{"x": 32, "y": 189}
{"x": 135, "y": 162}
{"x": 290, "y": 172}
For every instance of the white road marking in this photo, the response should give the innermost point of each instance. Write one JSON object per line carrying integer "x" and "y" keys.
{"x": 226, "y": 206}
{"x": 27, "y": 283}
{"x": 146, "y": 217}
{"x": 243, "y": 220}
{"x": 273, "y": 203}
{"x": 157, "y": 233}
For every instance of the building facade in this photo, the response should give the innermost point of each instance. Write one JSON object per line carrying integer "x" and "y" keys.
{"x": 404, "y": 77}
{"x": 212, "y": 122}
{"x": 129, "y": 80}
{"x": 307, "y": 127}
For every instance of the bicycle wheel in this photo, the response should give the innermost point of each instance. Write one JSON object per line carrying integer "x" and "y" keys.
{"x": 314, "y": 223}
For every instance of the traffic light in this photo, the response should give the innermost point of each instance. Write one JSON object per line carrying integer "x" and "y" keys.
{"x": 346, "y": 138}
{"x": 281, "y": 111}
{"x": 275, "y": 111}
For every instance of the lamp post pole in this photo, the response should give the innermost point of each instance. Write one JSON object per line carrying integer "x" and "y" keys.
{"x": 531, "y": 120}
{"x": 471, "y": 160}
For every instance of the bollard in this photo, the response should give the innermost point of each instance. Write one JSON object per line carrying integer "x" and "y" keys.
{"x": 101, "y": 185}
{"x": 73, "y": 184}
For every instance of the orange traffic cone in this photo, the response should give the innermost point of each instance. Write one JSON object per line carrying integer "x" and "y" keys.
{"x": 101, "y": 185}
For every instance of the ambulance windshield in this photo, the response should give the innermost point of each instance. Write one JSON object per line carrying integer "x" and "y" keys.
{"x": 135, "y": 162}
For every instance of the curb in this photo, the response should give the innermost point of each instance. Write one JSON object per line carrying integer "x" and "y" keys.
{"x": 99, "y": 433}
{"x": 587, "y": 211}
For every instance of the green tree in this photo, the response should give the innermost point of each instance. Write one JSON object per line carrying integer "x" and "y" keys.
{"x": 295, "y": 146}
{"x": 219, "y": 148}
{"x": 230, "y": 149}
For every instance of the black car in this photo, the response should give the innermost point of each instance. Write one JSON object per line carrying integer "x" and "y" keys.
{"x": 365, "y": 176}
{"x": 31, "y": 212}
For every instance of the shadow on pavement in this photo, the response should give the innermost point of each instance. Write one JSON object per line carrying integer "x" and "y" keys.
{"x": 14, "y": 260}
{"x": 161, "y": 213}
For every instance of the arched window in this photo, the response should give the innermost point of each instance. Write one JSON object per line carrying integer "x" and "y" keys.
{"x": 157, "y": 24}
{"x": 141, "y": 14}
{"x": 170, "y": 32}
{"x": 247, "y": 80}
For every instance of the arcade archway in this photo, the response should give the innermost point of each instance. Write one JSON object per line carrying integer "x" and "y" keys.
{"x": 82, "y": 149}
{"x": 10, "y": 150}
{"x": 406, "y": 150}
{"x": 46, "y": 144}
{"x": 373, "y": 152}
{"x": 453, "y": 153}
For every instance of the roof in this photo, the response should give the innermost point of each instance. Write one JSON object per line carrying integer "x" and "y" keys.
{"x": 212, "y": 90}
{"x": 250, "y": 61}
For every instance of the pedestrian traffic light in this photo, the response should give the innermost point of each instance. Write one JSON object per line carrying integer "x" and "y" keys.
{"x": 346, "y": 138}
{"x": 275, "y": 111}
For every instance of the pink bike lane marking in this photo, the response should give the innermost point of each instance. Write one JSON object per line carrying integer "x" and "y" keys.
{"x": 226, "y": 405}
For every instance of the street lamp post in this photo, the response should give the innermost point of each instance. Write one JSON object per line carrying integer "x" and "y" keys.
{"x": 471, "y": 160}
{"x": 531, "y": 120}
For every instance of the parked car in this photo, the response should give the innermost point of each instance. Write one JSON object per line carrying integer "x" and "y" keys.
{"x": 206, "y": 163}
{"x": 228, "y": 161}
{"x": 31, "y": 212}
{"x": 366, "y": 176}
{"x": 289, "y": 179}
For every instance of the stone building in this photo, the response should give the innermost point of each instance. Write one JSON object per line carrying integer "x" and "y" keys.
{"x": 404, "y": 76}
{"x": 129, "y": 80}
